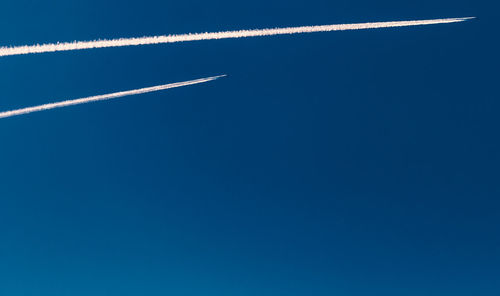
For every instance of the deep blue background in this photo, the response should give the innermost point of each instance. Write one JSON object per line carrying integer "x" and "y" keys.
{"x": 345, "y": 163}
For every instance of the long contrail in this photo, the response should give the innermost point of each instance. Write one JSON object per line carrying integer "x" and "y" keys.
{"x": 104, "y": 97}
{"x": 78, "y": 45}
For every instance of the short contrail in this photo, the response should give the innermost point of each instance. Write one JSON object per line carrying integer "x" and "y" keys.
{"x": 78, "y": 45}
{"x": 104, "y": 97}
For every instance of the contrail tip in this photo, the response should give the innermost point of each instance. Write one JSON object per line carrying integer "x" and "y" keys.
{"x": 219, "y": 76}
{"x": 463, "y": 19}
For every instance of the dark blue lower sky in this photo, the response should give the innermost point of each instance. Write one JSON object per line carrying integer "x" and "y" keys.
{"x": 344, "y": 163}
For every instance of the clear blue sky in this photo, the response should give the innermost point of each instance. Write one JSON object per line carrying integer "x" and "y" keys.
{"x": 347, "y": 163}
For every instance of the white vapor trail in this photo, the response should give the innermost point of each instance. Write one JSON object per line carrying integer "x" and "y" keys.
{"x": 104, "y": 97}
{"x": 78, "y": 45}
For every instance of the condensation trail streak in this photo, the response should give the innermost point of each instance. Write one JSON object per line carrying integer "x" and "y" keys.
{"x": 104, "y": 97}
{"x": 78, "y": 45}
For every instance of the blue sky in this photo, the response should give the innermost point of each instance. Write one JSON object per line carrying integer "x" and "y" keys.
{"x": 344, "y": 163}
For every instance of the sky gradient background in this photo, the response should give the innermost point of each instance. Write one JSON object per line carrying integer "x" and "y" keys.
{"x": 344, "y": 163}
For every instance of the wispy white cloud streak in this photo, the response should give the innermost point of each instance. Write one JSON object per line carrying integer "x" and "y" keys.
{"x": 79, "y": 45}
{"x": 104, "y": 97}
